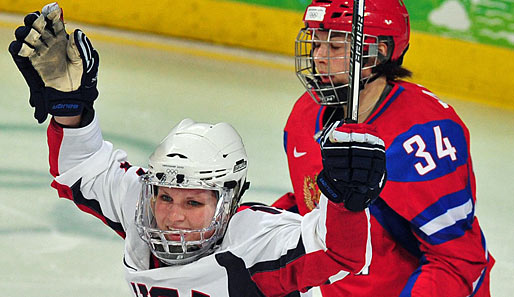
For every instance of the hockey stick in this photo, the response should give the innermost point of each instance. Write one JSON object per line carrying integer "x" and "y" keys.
{"x": 355, "y": 61}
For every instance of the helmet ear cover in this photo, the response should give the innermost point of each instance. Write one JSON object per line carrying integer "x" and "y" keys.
{"x": 239, "y": 188}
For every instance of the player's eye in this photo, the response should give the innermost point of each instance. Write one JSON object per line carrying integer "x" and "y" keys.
{"x": 335, "y": 46}
{"x": 194, "y": 203}
{"x": 165, "y": 198}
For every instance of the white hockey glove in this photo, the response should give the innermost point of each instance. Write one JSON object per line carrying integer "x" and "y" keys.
{"x": 60, "y": 69}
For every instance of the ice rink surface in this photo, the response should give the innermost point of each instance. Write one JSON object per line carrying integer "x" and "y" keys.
{"x": 147, "y": 84}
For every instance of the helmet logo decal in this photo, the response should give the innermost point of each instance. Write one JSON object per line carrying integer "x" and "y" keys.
{"x": 315, "y": 13}
{"x": 240, "y": 165}
{"x": 169, "y": 176}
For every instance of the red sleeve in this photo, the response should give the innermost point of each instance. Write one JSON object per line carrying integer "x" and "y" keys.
{"x": 286, "y": 202}
{"x": 333, "y": 244}
{"x": 431, "y": 184}
{"x": 54, "y": 138}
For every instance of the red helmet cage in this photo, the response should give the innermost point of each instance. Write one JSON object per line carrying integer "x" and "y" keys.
{"x": 381, "y": 18}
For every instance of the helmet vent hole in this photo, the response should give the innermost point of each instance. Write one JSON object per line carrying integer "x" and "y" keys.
{"x": 176, "y": 155}
{"x": 336, "y": 15}
{"x": 180, "y": 178}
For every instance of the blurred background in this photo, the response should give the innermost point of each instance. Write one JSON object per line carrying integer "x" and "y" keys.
{"x": 217, "y": 60}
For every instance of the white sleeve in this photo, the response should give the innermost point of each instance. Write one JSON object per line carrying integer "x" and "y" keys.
{"x": 322, "y": 247}
{"x": 90, "y": 173}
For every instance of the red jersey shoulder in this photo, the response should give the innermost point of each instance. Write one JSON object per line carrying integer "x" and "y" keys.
{"x": 304, "y": 109}
{"x": 407, "y": 105}
{"x": 421, "y": 103}
{"x": 303, "y": 153}
{"x": 425, "y": 139}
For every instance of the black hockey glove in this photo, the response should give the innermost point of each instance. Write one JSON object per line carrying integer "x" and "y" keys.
{"x": 60, "y": 69}
{"x": 354, "y": 168}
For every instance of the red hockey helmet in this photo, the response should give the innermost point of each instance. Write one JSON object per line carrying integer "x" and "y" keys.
{"x": 384, "y": 21}
{"x": 381, "y": 18}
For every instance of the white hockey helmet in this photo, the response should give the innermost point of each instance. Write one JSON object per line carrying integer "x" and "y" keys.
{"x": 193, "y": 156}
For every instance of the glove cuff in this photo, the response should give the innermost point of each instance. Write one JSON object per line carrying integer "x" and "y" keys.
{"x": 69, "y": 103}
{"x": 353, "y": 198}
{"x": 326, "y": 186}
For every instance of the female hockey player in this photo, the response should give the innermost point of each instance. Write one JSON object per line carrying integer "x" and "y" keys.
{"x": 425, "y": 237}
{"x": 183, "y": 236}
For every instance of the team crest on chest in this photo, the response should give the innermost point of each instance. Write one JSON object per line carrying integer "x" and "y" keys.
{"x": 311, "y": 192}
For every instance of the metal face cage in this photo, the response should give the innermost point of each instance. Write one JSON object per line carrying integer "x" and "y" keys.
{"x": 321, "y": 86}
{"x": 183, "y": 251}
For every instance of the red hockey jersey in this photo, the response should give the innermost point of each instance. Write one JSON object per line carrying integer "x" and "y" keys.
{"x": 426, "y": 239}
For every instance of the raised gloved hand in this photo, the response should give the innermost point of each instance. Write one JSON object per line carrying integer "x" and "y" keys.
{"x": 354, "y": 168}
{"x": 60, "y": 69}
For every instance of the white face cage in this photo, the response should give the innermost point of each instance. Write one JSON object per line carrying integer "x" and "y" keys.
{"x": 330, "y": 93}
{"x": 179, "y": 252}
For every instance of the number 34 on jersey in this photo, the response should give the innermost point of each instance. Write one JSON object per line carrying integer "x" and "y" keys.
{"x": 430, "y": 150}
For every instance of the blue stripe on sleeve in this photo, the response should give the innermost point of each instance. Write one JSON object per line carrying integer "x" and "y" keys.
{"x": 397, "y": 226}
{"x": 484, "y": 272}
{"x": 407, "y": 289}
{"x": 479, "y": 282}
{"x": 449, "y": 218}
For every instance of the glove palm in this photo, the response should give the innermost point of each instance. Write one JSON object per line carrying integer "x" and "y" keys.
{"x": 60, "y": 69}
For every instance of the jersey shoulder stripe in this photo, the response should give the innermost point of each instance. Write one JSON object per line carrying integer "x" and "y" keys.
{"x": 277, "y": 264}
{"x": 449, "y": 218}
{"x": 395, "y": 92}
{"x": 90, "y": 206}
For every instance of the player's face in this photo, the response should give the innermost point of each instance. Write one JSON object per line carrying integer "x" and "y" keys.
{"x": 184, "y": 209}
{"x": 332, "y": 59}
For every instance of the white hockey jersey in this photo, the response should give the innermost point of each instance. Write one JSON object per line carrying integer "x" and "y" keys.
{"x": 265, "y": 252}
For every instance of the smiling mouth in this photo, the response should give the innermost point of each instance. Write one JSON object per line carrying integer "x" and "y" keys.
{"x": 173, "y": 237}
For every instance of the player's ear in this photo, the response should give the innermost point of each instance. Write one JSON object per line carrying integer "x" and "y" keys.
{"x": 383, "y": 48}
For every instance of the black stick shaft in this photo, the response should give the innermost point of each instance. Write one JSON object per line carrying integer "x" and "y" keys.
{"x": 355, "y": 61}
